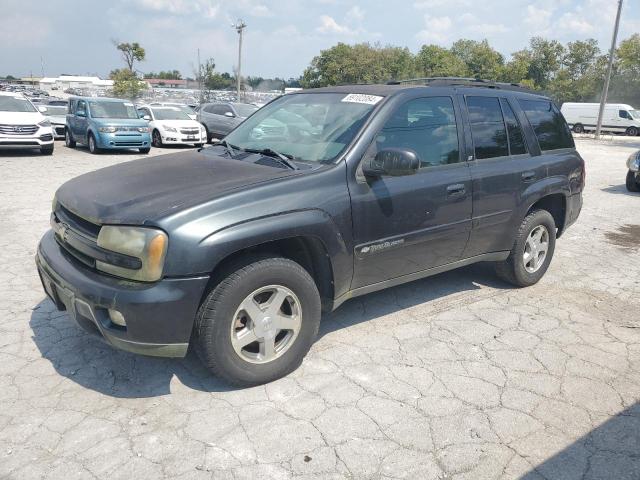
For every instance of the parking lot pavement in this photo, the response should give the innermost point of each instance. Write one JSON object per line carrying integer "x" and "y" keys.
{"x": 456, "y": 376}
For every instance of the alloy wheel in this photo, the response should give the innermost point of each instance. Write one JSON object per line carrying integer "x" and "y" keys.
{"x": 535, "y": 249}
{"x": 266, "y": 324}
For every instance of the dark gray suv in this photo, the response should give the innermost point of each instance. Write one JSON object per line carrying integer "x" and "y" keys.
{"x": 236, "y": 249}
{"x": 220, "y": 118}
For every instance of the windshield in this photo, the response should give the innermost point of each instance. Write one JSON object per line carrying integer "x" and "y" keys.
{"x": 56, "y": 110}
{"x": 113, "y": 110}
{"x": 15, "y": 104}
{"x": 169, "y": 114}
{"x": 244, "y": 110}
{"x": 315, "y": 127}
{"x": 635, "y": 114}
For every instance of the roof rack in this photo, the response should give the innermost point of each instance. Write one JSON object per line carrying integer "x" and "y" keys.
{"x": 461, "y": 82}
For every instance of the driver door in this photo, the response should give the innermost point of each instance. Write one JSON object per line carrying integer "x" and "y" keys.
{"x": 406, "y": 224}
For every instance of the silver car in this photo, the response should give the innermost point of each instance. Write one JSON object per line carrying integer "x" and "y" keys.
{"x": 220, "y": 118}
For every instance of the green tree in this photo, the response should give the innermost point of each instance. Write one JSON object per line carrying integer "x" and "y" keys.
{"x": 168, "y": 75}
{"x": 628, "y": 55}
{"x": 436, "y": 61}
{"x": 481, "y": 60}
{"x": 546, "y": 60}
{"x": 126, "y": 84}
{"x": 580, "y": 57}
{"x": 131, "y": 52}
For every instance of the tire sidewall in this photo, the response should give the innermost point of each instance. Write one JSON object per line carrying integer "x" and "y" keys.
{"x": 92, "y": 141}
{"x": 540, "y": 217}
{"x": 156, "y": 139}
{"x": 632, "y": 131}
{"x": 215, "y": 330}
{"x": 578, "y": 128}
{"x": 68, "y": 139}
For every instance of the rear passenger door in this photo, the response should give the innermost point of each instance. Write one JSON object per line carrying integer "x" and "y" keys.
{"x": 502, "y": 168}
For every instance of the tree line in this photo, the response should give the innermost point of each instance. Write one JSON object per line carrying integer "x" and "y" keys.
{"x": 567, "y": 72}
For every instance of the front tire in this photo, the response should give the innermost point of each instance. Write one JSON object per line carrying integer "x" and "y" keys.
{"x": 532, "y": 250}
{"x": 144, "y": 151}
{"x": 156, "y": 139}
{"x": 93, "y": 147}
{"x": 68, "y": 139}
{"x": 257, "y": 324}
{"x": 633, "y": 185}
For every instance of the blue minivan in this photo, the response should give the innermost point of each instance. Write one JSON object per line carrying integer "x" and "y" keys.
{"x": 106, "y": 123}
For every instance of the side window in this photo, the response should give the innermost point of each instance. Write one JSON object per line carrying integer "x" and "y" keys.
{"x": 82, "y": 106}
{"x": 548, "y": 124}
{"x": 624, "y": 114}
{"x": 517, "y": 145}
{"x": 487, "y": 127}
{"x": 210, "y": 109}
{"x": 425, "y": 125}
{"x": 219, "y": 109}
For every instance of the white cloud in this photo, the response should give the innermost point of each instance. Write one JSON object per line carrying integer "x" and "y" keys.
{"x": 437, "y": 29}
{"x": 538, "y": 19}
{"x": 205, "y": 8}
{"x": 432, "y": 4}
{"x": 329, "y": 25}
{"x": 574, "y": 23}
{"x": 355, "y": 14}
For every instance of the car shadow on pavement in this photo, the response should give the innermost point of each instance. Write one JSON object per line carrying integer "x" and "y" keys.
{"x": 619, "y": 190}
{"x": 86, "y": 360}
{"x": 609, "y": 451}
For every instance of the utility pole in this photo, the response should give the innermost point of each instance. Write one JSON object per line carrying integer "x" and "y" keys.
{"x": 199, "y": 77}
{"x": 42, "y": 66}
{"x": 605, "y": 89}
{"x": 239, "y": 26}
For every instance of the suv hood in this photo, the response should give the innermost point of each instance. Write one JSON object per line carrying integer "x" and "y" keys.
{"x": 121, "y": 122}
{"x": 142, "y": 190}
{"x": 21, "y": 118}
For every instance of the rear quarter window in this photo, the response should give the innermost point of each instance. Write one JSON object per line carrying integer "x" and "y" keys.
{"x": 548, "y": 124}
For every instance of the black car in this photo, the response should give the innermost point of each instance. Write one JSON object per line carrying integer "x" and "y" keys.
{"x": 633, "y": 173}
{"x": 237, "y": 248}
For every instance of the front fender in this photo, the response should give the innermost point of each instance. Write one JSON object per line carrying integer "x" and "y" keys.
{"x": 314, "y": 223}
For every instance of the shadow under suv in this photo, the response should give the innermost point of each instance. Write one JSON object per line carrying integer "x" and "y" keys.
{"x": 239, "y": 247}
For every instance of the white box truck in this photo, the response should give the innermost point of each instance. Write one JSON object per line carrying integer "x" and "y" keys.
{"x": 617, "y": 117}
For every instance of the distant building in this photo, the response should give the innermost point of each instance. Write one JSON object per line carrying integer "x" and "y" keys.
{"x": 166, "y": 83}
{"x": 73, "y": 81}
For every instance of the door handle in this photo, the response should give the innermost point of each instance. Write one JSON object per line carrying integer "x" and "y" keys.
{"x": 456, "y": 190}
{"x": 528, "y": 176}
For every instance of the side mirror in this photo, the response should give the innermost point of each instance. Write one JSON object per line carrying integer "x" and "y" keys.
{"x": 392, "y": 162}
{"x": 229, "y": 114}
{"x": 42, "y": 109}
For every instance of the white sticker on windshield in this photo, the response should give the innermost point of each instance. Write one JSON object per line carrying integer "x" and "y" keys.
{"x": 362, "y": 98}
{"x": 127, "y": 104}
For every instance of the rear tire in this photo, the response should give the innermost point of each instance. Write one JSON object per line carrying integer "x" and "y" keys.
{"x": 632, "y": 131}
{"x": 222, "y": 322}
{"x": 47, "y": 150}
{"x": 578, "y": 128}
{"x": 525, "y": 265}
{"x": 68, "y": 139}
{"x": 93, "y": 148}
{"x": 633, "y": 185}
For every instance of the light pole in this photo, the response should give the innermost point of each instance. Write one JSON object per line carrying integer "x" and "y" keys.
{"x": 605, "y": 89}
{"x": 239, "y": 26}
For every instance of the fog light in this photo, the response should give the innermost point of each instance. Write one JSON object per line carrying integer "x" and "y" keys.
{"x": 117, "y": 318}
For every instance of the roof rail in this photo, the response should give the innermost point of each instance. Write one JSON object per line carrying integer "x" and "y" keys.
{"x": 461, "y": 82}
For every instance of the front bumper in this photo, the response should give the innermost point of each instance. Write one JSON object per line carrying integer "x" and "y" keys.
{"x": 123, "y": 140}
{"x": 177, "y": 138}
{"x": 159, "y": 315}
{"x": 58, "y": 130}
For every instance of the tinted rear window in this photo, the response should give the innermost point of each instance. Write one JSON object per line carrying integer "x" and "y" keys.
{"x": 487, "y": 127}
{"x": 548, "y": 124}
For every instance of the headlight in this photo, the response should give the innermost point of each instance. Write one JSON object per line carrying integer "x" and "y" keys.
{"x": 168, "y": 128}
{"x": 107, "y": 129}
{"x": 633, "y": 162}
{"x": 147, "y": 244}
{"x": 143, "y": 129}
{"x": 45, "y": 123}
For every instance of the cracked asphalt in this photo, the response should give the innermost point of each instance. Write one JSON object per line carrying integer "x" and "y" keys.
{"x": 454, "y": 377}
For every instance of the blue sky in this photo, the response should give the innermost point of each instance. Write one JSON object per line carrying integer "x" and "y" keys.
{"x": 74, "y": 36}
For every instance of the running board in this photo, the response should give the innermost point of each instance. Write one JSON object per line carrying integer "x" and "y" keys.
{"x": 392, "y": 282}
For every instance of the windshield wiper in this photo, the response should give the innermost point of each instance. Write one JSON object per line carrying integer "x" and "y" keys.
{"x": 230, "y": 148}
{"x": 281, "y": 157}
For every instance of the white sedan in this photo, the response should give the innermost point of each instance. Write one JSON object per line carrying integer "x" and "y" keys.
{"x": 171, "y": 126}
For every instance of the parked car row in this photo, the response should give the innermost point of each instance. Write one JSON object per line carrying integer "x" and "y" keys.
{"x": 22, "y": 125}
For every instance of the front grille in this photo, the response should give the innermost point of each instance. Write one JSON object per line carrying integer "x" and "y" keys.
{"x": 189, "y": 131}
{"x": 23, "y": 143}
{"x": 76, "y": 222}
{"x": 128, "y": 144}
{"x": 59, "y": 130}
{"x": 128, "y": 129}
{"x": 18, "y": 129}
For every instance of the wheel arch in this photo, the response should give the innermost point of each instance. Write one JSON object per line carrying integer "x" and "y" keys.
{"x": 556, "y": 205}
